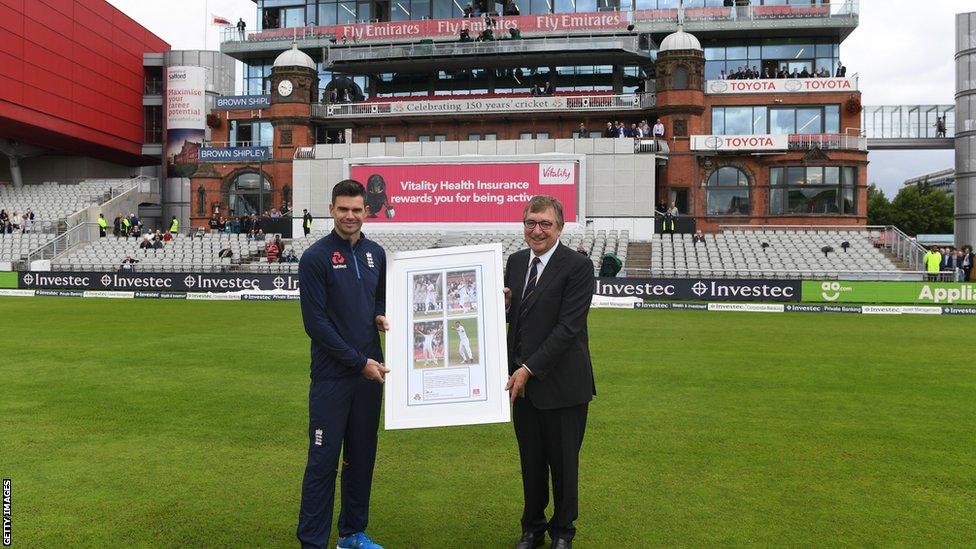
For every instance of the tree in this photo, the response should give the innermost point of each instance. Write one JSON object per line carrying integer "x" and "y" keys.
{"x": 920, "y": 209}
{"x": 879, "y": 208}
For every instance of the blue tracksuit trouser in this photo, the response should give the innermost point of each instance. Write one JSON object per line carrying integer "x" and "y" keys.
{"x": 343, "y": 415}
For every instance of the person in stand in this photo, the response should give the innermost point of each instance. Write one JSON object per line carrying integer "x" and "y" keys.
{"x": 940, "y": 126}
{"x": 658, "y": 133}
{"x": 102, "y": 225}
{"x": 174, "y": 227}
{"x": 933, "y": 263}
{"x": 241, "y": 27}
{"x": 609, "y": 131}
{"x": 548, "y": 289}
{"x": 582, "y": 132}
{"x": 343, "y": 303}
{"x": 306, "y": 222}
{"x": 841, "y": 70}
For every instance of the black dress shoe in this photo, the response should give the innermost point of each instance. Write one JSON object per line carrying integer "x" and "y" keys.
{"x": 530, "y": 540}
{"x": 562, "y": 544}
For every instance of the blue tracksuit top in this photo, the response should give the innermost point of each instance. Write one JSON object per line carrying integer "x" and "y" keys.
{"x": 342, "y": 288}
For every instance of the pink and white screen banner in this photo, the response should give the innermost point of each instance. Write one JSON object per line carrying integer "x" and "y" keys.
{"x": 465, "y": 192}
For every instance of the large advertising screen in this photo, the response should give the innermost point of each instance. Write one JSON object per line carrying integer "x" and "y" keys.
{"x": 454, "y": 191}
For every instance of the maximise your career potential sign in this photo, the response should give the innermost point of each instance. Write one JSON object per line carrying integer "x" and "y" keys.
{"x": 451, "y": 191}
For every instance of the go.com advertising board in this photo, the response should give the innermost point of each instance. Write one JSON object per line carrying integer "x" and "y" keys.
{"x": 896, "y": 292}
{"x": 453, "y": 191}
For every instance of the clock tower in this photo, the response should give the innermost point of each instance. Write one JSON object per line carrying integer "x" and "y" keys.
{"x": 294, "y": 78}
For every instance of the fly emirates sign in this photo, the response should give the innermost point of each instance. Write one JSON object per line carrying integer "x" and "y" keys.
{"x": 739, "y": 142}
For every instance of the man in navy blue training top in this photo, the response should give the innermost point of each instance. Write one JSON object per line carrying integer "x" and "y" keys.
{"x": 343, "y": 295}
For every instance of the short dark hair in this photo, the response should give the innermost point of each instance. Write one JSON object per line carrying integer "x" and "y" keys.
{"x": 348, "y": 187}
{"x": 541, "y": 203}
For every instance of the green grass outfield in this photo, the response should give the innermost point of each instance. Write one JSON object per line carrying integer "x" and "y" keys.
{"x": 182, "y": 424}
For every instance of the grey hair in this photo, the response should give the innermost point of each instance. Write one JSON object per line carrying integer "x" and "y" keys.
{"x": 541, "y": 203}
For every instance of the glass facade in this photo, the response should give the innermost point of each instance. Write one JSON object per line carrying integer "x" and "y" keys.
{"x": 814, "y": 119}
{"x": 771, "y": 53}
{"x": 728, "y": 192}
{"x": 818, "y": 190}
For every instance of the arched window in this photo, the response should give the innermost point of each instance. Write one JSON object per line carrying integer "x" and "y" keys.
{"x": 680, "y": 78}
{"x": 201, "y": 202}
{"x": 728, "y": 192}
{"x": 246, "y": 197}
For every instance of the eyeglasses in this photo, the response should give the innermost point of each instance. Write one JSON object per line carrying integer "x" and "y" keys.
{"x": 531, "y": 224}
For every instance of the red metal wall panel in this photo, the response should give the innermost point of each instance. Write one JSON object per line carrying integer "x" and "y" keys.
{"x": 71, "y": 75}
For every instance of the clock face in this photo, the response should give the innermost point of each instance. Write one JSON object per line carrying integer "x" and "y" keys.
{"x": 285, "y": 88}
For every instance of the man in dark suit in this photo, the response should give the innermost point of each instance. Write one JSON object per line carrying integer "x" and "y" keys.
{"x": 548, "y": 289}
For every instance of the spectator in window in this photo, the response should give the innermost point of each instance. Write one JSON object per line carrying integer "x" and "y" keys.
{"x": 722, "y": 75}
{"x": 841, "y": 70}
{"x": 768, "y": 73}
{"x": 805, "y": 73}
{"x": 645, "y": 128}
{"x": 536, "y": 90}
{"x": 468, "y": 11}
{"x": 609, "y": 131}
{"x": 549, "y": 89}
{"x": 781, "y": 73}
{"x": 582, "y": 131}
{"x": 635, "y": 131}
{"x": 755, "y": 72}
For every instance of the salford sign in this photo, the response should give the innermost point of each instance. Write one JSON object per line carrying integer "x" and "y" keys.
{"x": 739, "y": 142}
{"x": 780, "y": 85}
{"x": 160, "y": 282}
{"x": 700, "y": 289}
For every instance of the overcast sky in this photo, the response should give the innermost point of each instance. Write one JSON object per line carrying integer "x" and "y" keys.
{"x": 903, "y": 52}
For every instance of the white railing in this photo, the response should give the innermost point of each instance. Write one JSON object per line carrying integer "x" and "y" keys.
{"x": 828, "y": 141}
{"x": 79, "y": 234}
{"x": 803, "y": 274}
{"x": 485, "y": 105}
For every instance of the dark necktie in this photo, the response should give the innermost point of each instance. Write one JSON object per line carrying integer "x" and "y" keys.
{"x": 533, "y": 276}
{"x": 529, "y": 290}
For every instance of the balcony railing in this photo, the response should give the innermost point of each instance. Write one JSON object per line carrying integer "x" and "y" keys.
{"x": 818, "y": 9}
{"x": 650, "y": 20}
{"x": 486, "y": 105}
{"x": 828, "y": 141}
{"x": 464, "y": 49}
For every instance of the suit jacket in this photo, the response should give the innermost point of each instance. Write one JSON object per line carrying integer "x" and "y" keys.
{"x": 554, "y": 338}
